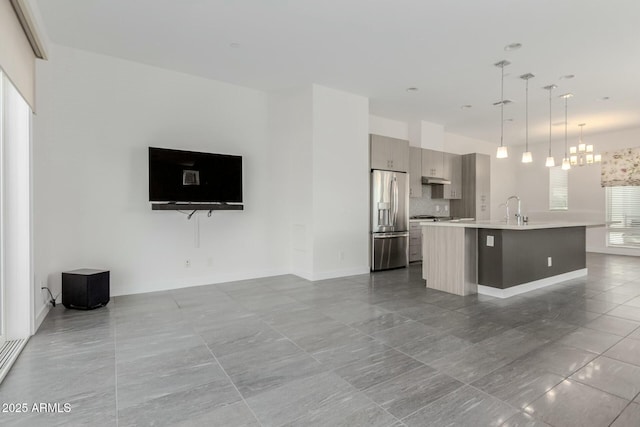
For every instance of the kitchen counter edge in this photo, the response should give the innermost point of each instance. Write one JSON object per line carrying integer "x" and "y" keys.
{"x": 497, "y": 225}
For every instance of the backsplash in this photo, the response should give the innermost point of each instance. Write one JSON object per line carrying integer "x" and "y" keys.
{"x": 428, "y": 206}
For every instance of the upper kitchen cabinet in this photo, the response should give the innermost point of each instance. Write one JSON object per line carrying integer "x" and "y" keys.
{"x": 432, "y": 163}
{"x": 452, "y": 171}
{"x": 389, "y": 153}
{"x": 415, "y": 172}
{"x": 476, "y": 188}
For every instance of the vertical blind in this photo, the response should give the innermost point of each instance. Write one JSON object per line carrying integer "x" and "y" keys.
{"x": 558, "y": 189}
{"x": 15, "y": 225}
{"x": 623, "y": 216}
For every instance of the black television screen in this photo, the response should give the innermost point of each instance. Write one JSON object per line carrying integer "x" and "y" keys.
{"x": 188, "y": 176}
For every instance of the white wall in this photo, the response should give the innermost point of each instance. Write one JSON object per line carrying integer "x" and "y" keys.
{"x": 426, "y": 135}
{"x": 291, "y": 129}
{"x": 340, "y": 183}
{"x": 324, "y": 133}
{"x": 97, "y": 117}
{"x": 388, "y": 127}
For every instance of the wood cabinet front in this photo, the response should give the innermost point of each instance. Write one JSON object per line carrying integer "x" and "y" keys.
{"x": 389, "y": 153}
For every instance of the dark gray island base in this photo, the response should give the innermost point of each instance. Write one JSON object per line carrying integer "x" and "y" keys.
{"x": 499, "y": 259}
{"x": 523, "y": 257}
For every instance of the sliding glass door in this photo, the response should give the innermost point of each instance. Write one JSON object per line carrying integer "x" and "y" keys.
{"x": 2, "y": 292}
{"x": 16, "y": 306}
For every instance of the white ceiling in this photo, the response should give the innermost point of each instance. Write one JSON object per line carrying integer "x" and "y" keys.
{"x": 378, "y": 48}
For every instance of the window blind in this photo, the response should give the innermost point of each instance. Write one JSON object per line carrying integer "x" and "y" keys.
{"x": 621, "y": 168}
{"x": 623, "y": 216}
{"x": 558, "y": 189}
{"x": 17, "y": 56}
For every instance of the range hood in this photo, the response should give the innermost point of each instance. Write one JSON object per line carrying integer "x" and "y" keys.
{"x": 429, "y": 180}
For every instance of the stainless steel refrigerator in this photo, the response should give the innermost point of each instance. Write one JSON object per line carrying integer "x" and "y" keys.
{"x": 389, "y": 220}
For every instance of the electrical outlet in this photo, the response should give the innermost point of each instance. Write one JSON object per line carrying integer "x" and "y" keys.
{"x": 446, "y": 208}
{"x": 187, "y": 263}
{"x": 549, "y": 262}
{"x": 341, "y": 256}
{"x": 210, "y": 261}
{"x": 437, "y": 208}
{"x": 490, "y": 241}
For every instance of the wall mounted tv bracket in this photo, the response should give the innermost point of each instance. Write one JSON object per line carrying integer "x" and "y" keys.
{"x": 194, "y": 207}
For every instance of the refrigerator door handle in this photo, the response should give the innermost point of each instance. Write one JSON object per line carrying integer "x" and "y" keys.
{"x": 389, "y": 235}
{"x": 389, "y": 193}
{"x": 395, "y": 201}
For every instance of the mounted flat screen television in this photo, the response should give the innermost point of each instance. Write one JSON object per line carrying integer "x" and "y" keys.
{"x": 188, "y": 176}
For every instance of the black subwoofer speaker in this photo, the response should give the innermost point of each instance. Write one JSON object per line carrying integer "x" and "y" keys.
{"x": 85, "y": 289}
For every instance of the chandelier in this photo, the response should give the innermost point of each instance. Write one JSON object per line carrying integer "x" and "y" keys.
{"x": 583, "y": 154}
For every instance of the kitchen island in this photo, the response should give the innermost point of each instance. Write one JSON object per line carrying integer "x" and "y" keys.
{"x": 501, "y": 259}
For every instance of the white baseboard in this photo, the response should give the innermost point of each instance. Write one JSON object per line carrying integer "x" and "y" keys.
{"x": 42, "y": 314}
{"x": 324, "y": 275}
{"x": 530, "y": 286}
{"x": 613, "y": 251}
{"x": 243, "y": 276}
{"x": 199, "y": 281}
{"x": 307, "y": 275}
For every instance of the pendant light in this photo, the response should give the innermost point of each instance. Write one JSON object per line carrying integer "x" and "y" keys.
{"x": 526, "y": 156}
{"x": 566, "y": 165}
{"x": 551, "y": 162}
{"x": 502, "y": 152}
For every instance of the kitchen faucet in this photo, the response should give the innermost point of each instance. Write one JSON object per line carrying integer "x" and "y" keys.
{"x": 519, "y": 214}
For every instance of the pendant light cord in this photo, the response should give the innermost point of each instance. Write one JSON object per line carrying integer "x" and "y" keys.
{"x": 502, "y": 106}
{"x": 550, "y": 118}
{"x": 526, "y": 116}
{"x": 565, "y": 127}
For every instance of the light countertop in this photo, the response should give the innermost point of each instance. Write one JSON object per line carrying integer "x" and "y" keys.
{"x": 501, "y": 225}
{"x": 425, "y": 220}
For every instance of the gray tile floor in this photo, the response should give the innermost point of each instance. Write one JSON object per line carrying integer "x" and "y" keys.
{"x": 370, "y": 350}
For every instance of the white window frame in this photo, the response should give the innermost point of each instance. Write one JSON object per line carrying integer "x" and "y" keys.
{"x": 623, "y": 217}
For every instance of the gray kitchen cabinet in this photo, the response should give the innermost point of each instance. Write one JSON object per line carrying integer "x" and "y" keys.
{"x": 432, "y": 163}
{"x": 452, "y": 170}
{"x": 415, "y": 172}
{"x": 389, "y": 153}
{"x": 455, "y": 188}
{"x": 476, "y": 188}
{"x": 415, "y": 242}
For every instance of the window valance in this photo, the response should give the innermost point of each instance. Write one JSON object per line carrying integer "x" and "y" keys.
{"x": 19, "y": 47}
{"x": 621, "y": 168}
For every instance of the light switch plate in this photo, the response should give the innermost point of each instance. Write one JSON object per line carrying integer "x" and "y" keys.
{"x": 490, "y": 241}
